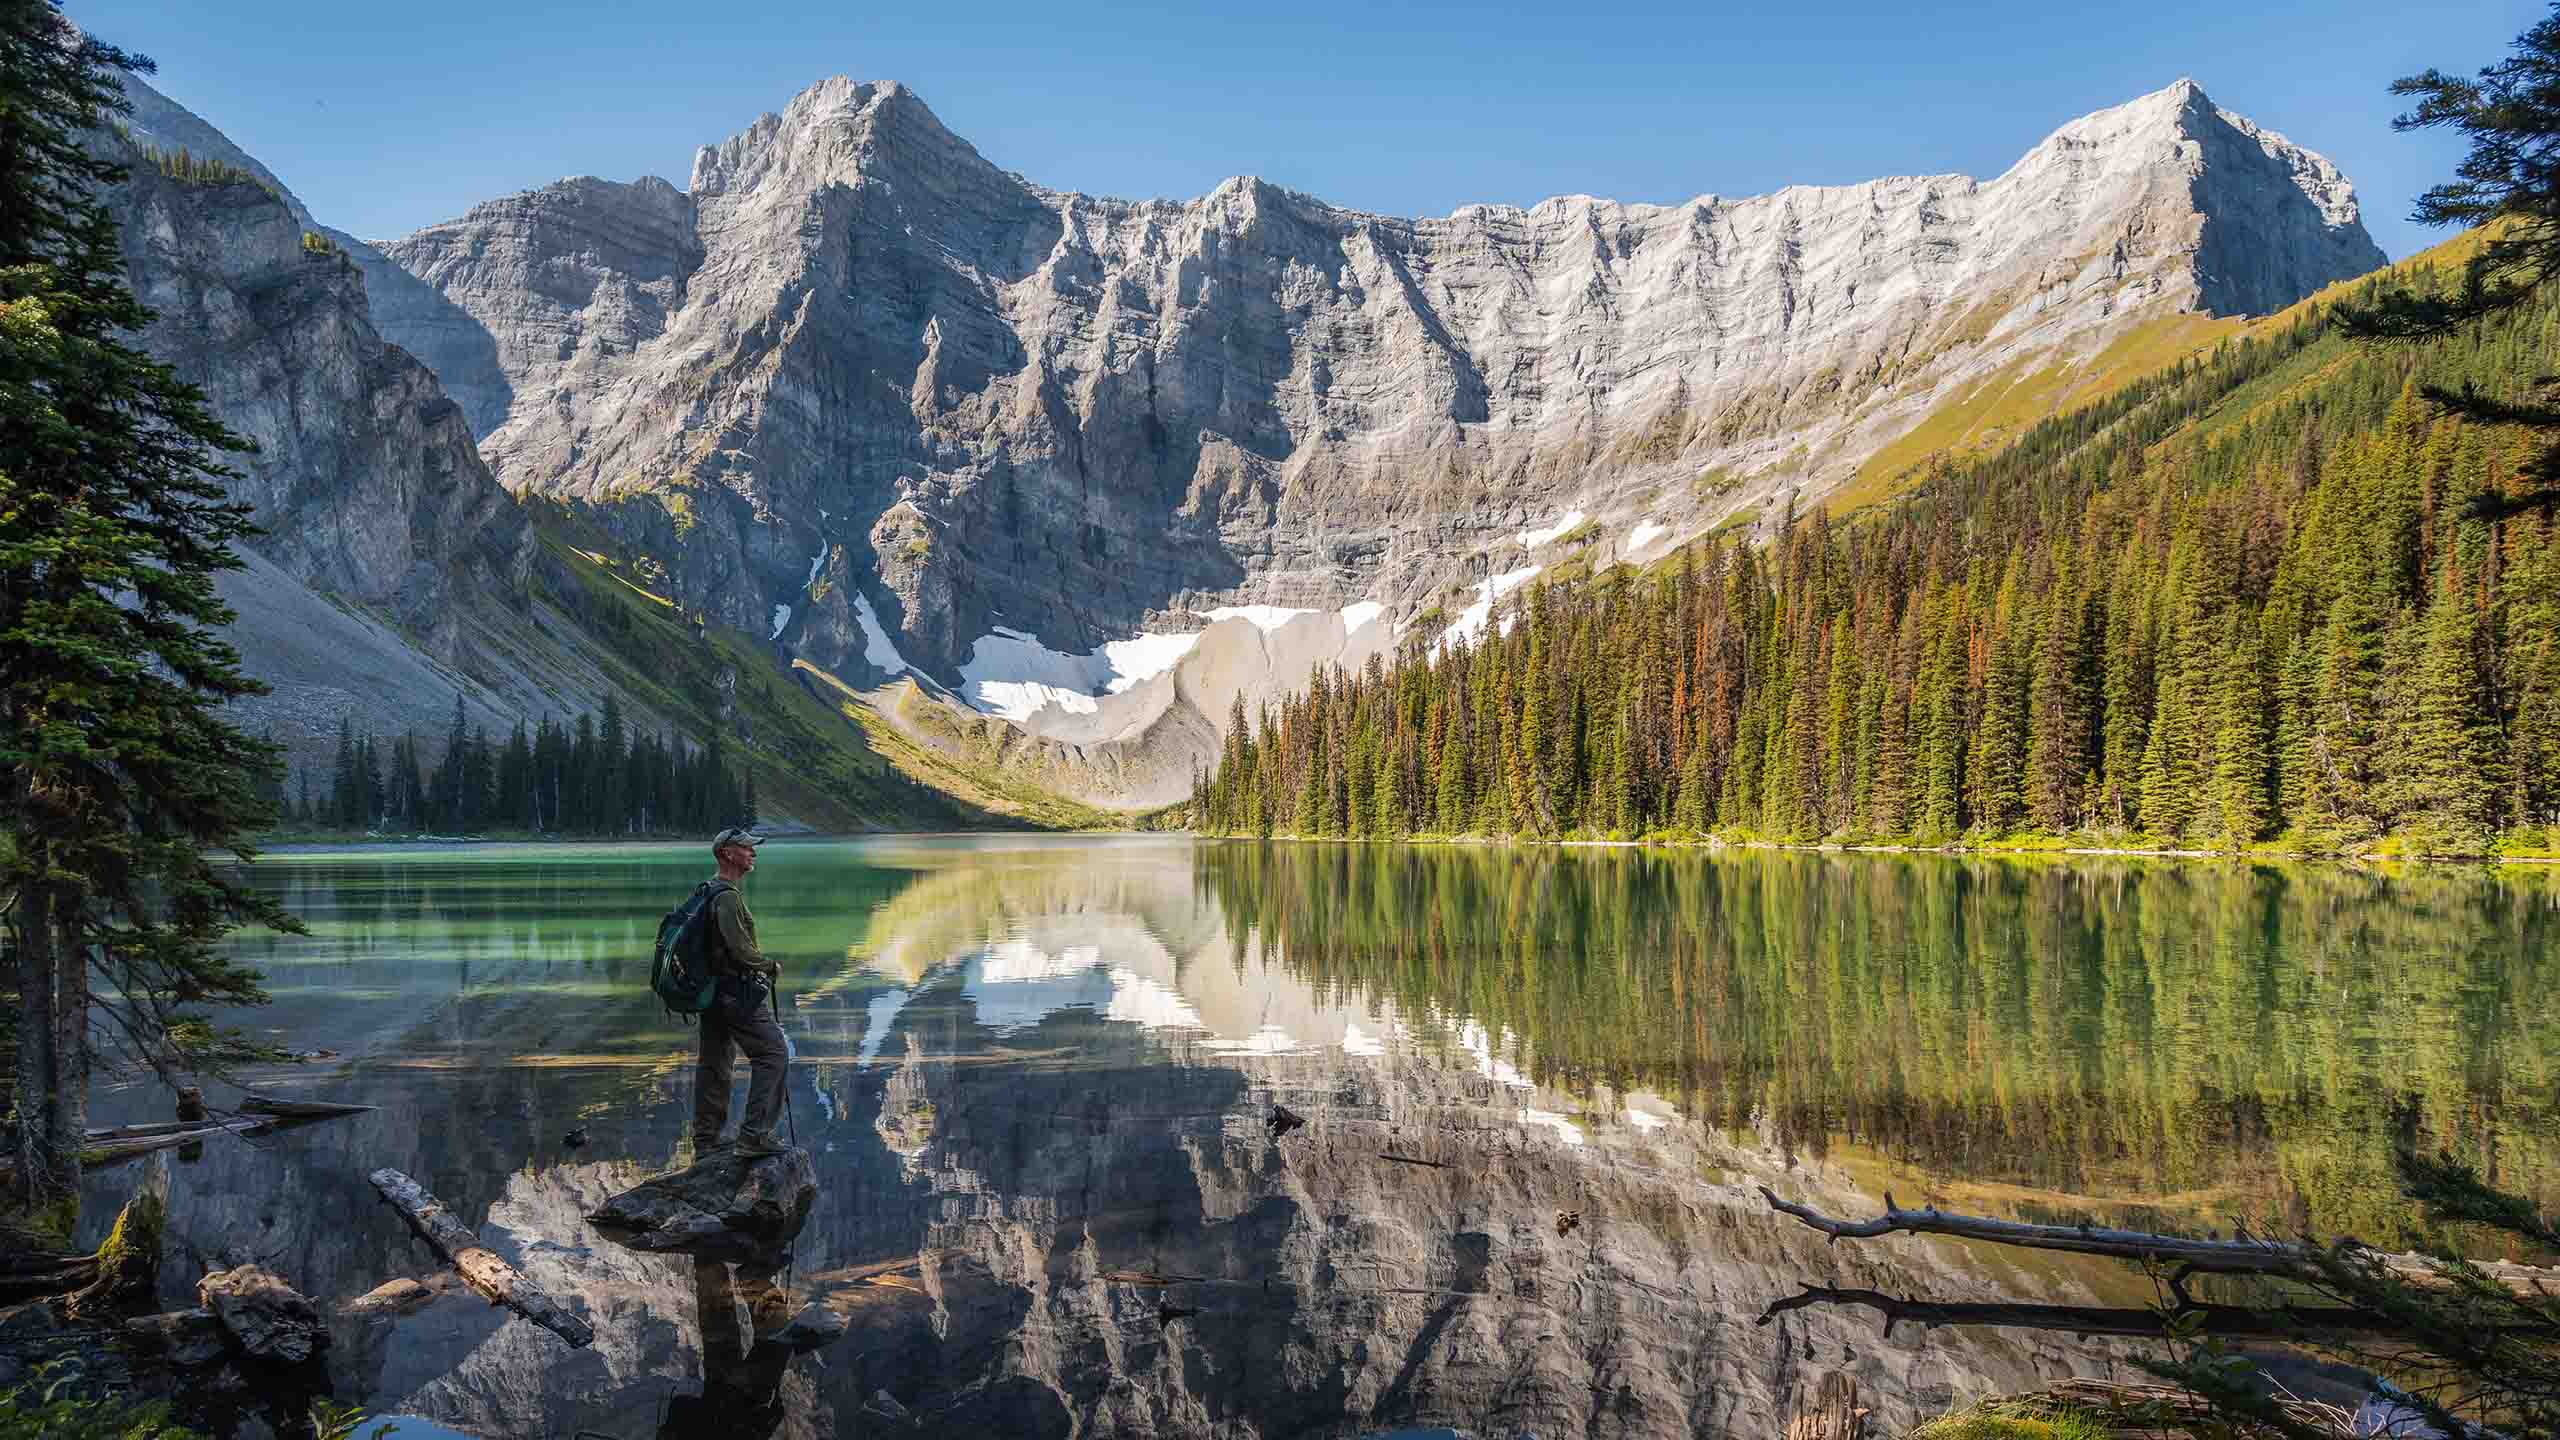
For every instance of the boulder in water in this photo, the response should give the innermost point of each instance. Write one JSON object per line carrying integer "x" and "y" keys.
{"x": 723, "y": 1203}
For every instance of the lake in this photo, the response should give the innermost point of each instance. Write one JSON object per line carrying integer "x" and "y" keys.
{"x": 1034, "y": 1074}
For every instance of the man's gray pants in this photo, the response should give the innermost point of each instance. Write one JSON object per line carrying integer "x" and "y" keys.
{"x": 761, "y": 1038}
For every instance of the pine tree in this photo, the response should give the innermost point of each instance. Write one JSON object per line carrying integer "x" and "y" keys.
{"x": 1450, "y": 792}
{"x": 2169, "y": 755}
{"x": 2058, "y": 715}
{"x": 122, "y": 777}
{"x": 2239, "y": 788}
{"x": 2511, "y": 114}
{"x": 608, "y": 781}
{"x": 2440, "y": 775}
{"x": 1996, "y": 760}
{"x": 516, "y": 785}
{"x": 451, "y": 812}
{"x": 369, "y": 786}
{"x": 2339, "y": 782}
{"x": 1308, "y": 818}
{"x": 1386, "y": 792}
{"x": 2130, "y": 686}
{"x": 344, "y": 793}
{"x": 1942, "y": 736}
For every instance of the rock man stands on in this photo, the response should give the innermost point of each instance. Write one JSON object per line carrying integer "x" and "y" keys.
{"x": 743, "y": 1016}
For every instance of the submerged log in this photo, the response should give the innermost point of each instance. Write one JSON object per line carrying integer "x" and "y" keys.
{"x": 496, "y": 1281}
{"x": 2281, "y": 1259}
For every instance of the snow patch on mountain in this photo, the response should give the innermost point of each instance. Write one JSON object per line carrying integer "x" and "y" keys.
{"x": 1144, "y": 658}
{"x": 877, "y": 647}
{"x": 1532, "y": 539}
{"x": 1470, "y": 624}
{"x": 1267, "y": 617}
{"x": 1010, "y": 673}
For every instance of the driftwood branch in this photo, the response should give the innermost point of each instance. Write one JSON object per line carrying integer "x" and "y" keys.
{"x": 497, "y": 1281}
{"x": 2278, "y": 1258}
{"x": 2287, "y": 1322}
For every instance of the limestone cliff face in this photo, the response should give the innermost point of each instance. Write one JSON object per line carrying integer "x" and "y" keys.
{"x": 856, "y": 360}
{"x": 395, "y": 570}
{"x": 595, "y": 269}
{"x": 365, "y": 477}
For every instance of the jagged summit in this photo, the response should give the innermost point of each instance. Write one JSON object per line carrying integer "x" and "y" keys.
{"x": 2169, "y": 115}
{"x": 868, "y": 393}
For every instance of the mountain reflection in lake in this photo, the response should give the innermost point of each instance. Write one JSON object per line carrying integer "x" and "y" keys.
{"x": 1036, "y": 1077}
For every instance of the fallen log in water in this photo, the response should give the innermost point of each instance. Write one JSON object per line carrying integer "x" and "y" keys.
{"x": 2278, "y": 1258}
{"x": 2232, "y": 1321}
{"x": 497, "y": 1281}
{"x": 131, "y": 1141}
{"x": 302, "y": 1109}
{"x": 156, "y": 1127}
{"x": 118, "y": 1143}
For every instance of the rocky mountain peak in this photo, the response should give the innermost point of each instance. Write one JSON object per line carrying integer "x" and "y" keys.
{"x": 871, "y": 395}
{"x": 837, "y": 130}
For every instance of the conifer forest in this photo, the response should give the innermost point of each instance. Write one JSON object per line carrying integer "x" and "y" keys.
{"x": 595, "y": 776}
{"x": 2264, "y": 598}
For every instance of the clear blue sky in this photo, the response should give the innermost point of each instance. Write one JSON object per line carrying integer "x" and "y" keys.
{"x": 387, "y": 117}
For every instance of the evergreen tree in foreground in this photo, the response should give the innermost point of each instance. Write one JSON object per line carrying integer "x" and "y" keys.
{"x": 2510, "y": 182}
{"x": 120, "y": 775}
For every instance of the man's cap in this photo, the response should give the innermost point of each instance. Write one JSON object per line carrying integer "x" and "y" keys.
{"x": 737, "y": 835}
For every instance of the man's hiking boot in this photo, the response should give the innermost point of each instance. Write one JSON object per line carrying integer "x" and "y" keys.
{"x": 703, "y": 1147}
{"x": 752, "y": 1146}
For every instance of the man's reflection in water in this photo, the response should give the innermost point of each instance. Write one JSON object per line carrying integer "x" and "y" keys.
{"x": 742, "y": 1313}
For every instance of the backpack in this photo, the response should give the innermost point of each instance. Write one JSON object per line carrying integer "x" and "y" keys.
{"x": 686, "y": 973}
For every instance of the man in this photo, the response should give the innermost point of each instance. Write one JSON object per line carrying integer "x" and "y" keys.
{"x": 743, "y": 1016}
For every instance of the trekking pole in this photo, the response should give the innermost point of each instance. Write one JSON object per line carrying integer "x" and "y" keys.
{"x": 790, "y": 1119}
